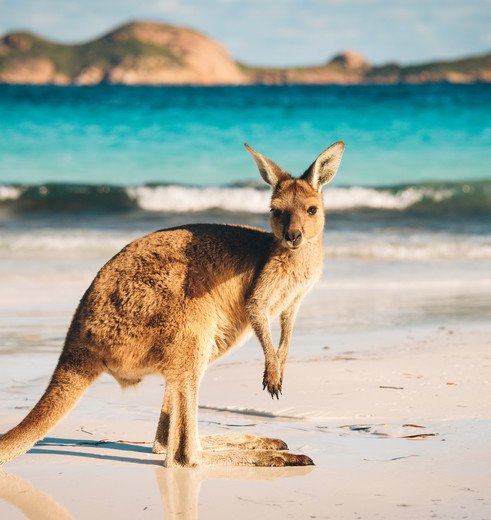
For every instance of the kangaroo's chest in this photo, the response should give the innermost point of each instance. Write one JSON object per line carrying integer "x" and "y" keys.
{"x": 288, "y": 290}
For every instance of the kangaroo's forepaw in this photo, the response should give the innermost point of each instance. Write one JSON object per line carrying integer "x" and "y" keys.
{"x": 272, "y": 381}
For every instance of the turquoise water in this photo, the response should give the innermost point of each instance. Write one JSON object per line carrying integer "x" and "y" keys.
{"x": 132, "y": 136}
{"x": 84, "y": 167}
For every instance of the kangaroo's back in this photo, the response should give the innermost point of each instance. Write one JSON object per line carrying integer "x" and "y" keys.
{"x": 179, "y": 264}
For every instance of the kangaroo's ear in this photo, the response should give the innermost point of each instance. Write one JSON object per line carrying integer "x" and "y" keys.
{"x": 324, "y": 168}
{"x": 270, "y": 171}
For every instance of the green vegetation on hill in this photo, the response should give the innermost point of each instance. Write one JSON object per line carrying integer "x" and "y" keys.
{"x": 105, "y": 52}
{"x": 464, "y": 66}
{"x": 472, "y": 66}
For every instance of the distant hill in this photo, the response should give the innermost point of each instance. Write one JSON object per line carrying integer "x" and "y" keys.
{"x": 136, "y": 53}
{"x": 149, "y": 53}
{"x": 350, "y": 68}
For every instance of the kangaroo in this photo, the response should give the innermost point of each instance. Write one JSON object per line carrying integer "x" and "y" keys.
{"x": 174, "y": 301}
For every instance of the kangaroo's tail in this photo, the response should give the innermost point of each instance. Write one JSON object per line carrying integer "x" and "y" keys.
{"x": 70, "y": 379}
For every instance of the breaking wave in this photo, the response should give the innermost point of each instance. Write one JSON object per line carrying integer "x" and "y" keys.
{"x": 466, "y": 197}
{"x": 430, "y": 221}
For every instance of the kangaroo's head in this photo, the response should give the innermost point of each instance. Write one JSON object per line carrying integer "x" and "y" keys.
{"x": 297, "y": 209}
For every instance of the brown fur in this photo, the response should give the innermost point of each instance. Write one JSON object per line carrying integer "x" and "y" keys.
{"x": 174, "y": 301}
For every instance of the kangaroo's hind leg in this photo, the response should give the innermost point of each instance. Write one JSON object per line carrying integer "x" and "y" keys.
{"x": 177, "y": 434}
{"x": 162, "y": 435}
{"x": 244, "y": 441}
{"x": 183, "y": 445}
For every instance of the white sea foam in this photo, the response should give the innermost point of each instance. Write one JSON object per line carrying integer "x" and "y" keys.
{"x": 63, "y": 241}
{"x": 248, "y": 199}
{"x": 421, "y": 252}
{"x": 415, "y": 247}
{"x": 9, "y": 193}
{"x": 181, "y": 199}
{"x": 357, "y": 197}
{"x": 391, "y": 246}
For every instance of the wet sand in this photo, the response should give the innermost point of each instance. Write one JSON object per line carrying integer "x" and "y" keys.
{"x": 396, "y": 432}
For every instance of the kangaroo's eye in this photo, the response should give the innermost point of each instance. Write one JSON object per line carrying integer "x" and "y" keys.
{"x": 276, "y": 212}
{"x": 312, "y": 210}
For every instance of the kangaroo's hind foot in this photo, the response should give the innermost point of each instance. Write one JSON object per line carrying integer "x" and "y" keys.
{"x": 241, "y": 441}
{"x": 240, "y": 449}
{"x": 255, "y": 457}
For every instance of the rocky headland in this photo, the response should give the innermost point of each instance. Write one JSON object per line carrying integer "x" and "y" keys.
{"x": 150, "y": 53}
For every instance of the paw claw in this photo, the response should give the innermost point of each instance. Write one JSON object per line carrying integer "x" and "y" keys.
{"x": 272, "y": 382}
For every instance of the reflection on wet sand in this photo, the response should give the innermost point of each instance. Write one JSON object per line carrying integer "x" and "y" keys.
{"x": 179, "y": 490}
{"x": 179, "y": 487}
{"x": 31, "y": 502}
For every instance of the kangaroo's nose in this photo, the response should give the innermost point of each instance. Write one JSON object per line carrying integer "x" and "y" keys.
{"x": 294, "y": 237}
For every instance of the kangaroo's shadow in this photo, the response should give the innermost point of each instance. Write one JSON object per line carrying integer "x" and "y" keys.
{"x": 48, "y": 445}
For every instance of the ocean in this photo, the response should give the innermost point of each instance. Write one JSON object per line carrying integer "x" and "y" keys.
{"x": 85, "y": 170}
{"x": 415, "y": 180}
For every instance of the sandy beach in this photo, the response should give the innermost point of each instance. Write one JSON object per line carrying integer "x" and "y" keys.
{"x": 387, "y": 390}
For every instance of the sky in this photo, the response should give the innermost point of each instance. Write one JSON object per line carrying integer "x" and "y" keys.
{"x": 279, "y": 32}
